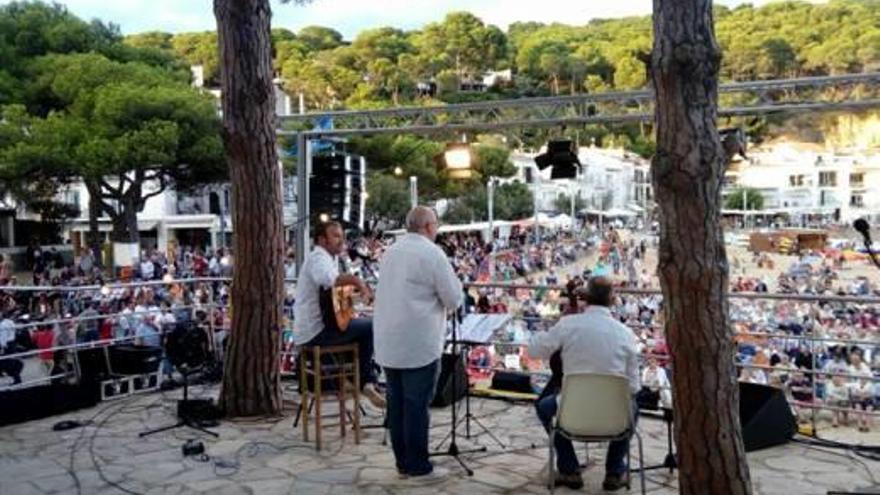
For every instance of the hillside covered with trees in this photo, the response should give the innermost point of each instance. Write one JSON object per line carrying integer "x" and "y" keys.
{"x": 385, "y": 65}
{"x": 70, "y": 91}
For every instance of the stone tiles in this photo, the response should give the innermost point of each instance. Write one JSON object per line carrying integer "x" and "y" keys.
{"x": 269, "y": 457}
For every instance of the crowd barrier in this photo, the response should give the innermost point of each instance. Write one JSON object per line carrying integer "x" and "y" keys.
{"x": 288, "y": 352}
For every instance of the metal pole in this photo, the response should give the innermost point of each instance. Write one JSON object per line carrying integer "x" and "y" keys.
{"x": 413, "y": 191}
{"x": 573, "y": 188}
{"x": 536, "y": 191}
{"x": 302, "y": 200}
{"x": 490, "y": 189}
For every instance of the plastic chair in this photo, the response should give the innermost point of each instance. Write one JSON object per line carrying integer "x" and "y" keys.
{"x": 595, "y": 408}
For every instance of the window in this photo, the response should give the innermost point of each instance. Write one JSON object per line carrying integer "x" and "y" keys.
{"x": 827, "y": 179}
{"x": 796, "y": 180}
{"x": 857, "y": 201}
{"x": 857, "y": 179}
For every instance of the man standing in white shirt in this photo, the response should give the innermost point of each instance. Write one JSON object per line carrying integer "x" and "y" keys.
{"x": 417, "y": 287}
{"x": 590, "y": 342}
{"x": 321, "y": 271}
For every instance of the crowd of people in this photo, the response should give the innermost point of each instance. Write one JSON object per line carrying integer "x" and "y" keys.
{"x": 766, "y": 339}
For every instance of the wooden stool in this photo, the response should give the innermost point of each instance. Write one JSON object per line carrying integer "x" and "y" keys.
{"x": 313, "y": 371}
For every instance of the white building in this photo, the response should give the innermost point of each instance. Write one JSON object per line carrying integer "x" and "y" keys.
{"x": 198, "y": 219}
{"x": 611, "y": 179}
{"x": 805, "y": 179}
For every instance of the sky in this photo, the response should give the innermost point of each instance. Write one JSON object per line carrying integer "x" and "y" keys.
{"x": 352, "y": 16}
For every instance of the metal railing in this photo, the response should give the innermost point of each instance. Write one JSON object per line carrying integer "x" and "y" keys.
{"x": 817, "y": 376}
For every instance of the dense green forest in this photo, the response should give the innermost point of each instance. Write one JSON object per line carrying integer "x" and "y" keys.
{"x": 75, "y": 94}
{"x": 384, "y": 65}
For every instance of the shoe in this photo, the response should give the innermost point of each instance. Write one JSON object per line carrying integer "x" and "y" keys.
{"x": 437, "y": 474}
{"x": 573, "y": 480}
{"x": 615, "y": 482}
{"x": 373, "y": 395}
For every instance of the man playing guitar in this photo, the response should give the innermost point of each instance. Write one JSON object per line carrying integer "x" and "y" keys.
{"x": 320, "y": 272}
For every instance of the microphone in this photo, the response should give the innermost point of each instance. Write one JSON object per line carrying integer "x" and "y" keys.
{"x": 862, "y": 227}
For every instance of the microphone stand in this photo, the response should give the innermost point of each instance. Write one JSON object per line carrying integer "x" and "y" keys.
{"x": 453, "y": 450}
{"x": 869, "y": 247}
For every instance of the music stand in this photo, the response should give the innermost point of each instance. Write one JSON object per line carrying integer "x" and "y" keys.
{"x": 453, "y": 450}
{"x": 469, "y": 416}
{"x": 186, "y": 348}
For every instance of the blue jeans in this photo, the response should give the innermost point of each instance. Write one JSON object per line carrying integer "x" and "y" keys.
{"x": 566, "y": 459}
{"x": 359, "y": 331}
{"x": 409, "y": 393}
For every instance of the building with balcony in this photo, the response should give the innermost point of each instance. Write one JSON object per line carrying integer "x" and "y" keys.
{"x": 610, "y": 180}
{"x": 803, "y": 179}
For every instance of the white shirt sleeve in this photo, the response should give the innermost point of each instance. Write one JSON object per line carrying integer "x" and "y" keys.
{"x": 543, "y": 344}
{"x": 324, "y": 271}
{"x": 448, "y": 286}
{"x": 632, "y": 365}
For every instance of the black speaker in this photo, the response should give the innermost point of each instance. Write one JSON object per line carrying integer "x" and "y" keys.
{"x": 765, "y": 416}
{"x": 93, "y": 364}
{"x": 43, "y": 401}
{"x": 443, "y": 394}
{"x": 512, "y": 381}
{"x": 134, "y": 359}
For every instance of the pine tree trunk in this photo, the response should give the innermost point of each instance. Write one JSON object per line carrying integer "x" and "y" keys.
{"x": 687, "y": 174}
{"x": 251, "y": 375}
{"x": 93, "y": 238}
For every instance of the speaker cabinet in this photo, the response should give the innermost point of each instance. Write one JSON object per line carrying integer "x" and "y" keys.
{"x": 765, "y": 416}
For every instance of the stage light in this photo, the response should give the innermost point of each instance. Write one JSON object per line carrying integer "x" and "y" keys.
{"x": 224, "y": 261}
{"x": 398, "y": 171}
{"x": 324, "y": 217}
{"x": 562, "y": 156}
{"x": 457, "y": 159}
{"x": 105, "y": 290}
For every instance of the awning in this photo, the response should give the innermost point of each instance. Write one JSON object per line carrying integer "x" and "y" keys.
{"x": 105, "y": 225}
{"x": 204, "y": 221}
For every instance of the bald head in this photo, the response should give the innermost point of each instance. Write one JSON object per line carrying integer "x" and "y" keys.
{"x": 599, "y": 291}
{"x": 422, "y": 220}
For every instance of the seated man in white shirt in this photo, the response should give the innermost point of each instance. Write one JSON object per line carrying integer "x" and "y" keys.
{"x": 590, "y": 342}
{"x": 321, "y": 271}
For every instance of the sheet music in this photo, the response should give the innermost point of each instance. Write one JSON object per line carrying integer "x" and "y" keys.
{"x": 479, "y": 328}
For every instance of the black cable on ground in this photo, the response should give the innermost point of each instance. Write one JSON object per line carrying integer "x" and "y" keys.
{"x": 820, "y": 445}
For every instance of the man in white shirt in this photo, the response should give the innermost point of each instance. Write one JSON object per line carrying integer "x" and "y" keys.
{"x": 417, "y": 287}
{"x": 321, "y": 271}
{"x": 590, "y": 342}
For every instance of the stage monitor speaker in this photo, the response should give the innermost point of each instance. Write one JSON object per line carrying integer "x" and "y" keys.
{"x": 512, "y": 381}
{"x": 93, "y": 365}
{"x": 135, "y": 359}
{"x": 443, "y": 394}
{"x": 43, "y": 401}
{"x": 765, "y": 416}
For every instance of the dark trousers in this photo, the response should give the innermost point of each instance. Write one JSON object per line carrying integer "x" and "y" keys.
{"x": 359, "y": 331}
{"x": 409, "y": 393}
{"x": 566, "y": 459}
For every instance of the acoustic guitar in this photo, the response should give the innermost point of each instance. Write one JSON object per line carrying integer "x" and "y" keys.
{"x": 337, "y": 307}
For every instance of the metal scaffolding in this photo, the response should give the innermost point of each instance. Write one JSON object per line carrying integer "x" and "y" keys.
{"x": 779, "y": 96}
{"x": 772, "y": 96}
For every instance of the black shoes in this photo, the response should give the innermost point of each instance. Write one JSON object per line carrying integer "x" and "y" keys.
{"x": 573, "y": 480}
{"x": 613, "y": 482}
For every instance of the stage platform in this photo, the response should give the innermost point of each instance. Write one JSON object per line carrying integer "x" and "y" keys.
{"x": 269, "y": 457}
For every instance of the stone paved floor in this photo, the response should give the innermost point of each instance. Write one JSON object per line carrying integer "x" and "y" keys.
{"x": 269, "y": 457}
